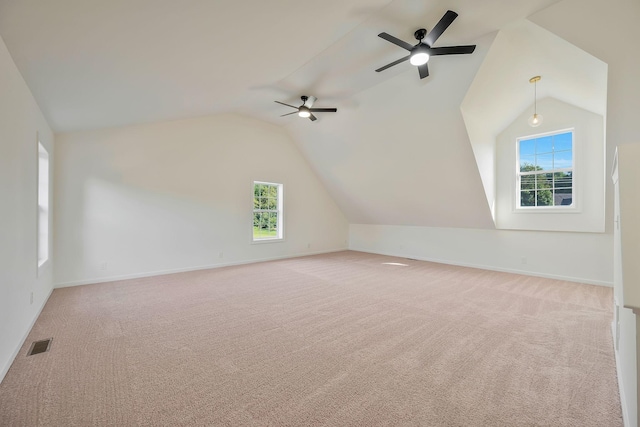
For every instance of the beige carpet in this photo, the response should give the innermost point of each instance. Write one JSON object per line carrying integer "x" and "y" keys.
{"x": 343, "y": 339}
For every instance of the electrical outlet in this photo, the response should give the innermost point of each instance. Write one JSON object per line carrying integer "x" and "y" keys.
{"x": 31, "y": 298}
{"x": 221, "y": 254}
{"x": 103, "y": 266}
{"x": 308, "y": 245}
{"x": 524, "y": 260}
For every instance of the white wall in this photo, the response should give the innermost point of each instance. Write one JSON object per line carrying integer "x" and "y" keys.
{"x": 586, "y": 258}
{"x": 605, "y": 29}
{"x": 21, "y": 124}
{"x": 588, "y": 175}
{"x": 626, "y": 274}
{"x": 178, "y": 195}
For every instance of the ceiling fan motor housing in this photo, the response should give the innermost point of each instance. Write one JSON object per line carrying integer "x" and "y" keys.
{"x": 420, "y": 34}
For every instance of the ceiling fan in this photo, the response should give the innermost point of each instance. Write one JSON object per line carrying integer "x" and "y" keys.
{"x": 305, "y": 109}
{"x": 421, "y": 52}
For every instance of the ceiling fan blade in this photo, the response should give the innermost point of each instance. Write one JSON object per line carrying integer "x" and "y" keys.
{"x": 286, "y": 104}
{"x": 442, "y": 25}
{"x": 288, "y": 114}
{"x": 393, "y": 63}
{"x": 423, "y": 70}
{"x": 323, "y": 110}
{"x": 313, "y": 118}
{"x": 395, "y": 41}
{"x": 452, "y": 50}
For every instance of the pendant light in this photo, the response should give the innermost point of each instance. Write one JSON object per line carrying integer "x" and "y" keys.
{"x": 536, "y": 119}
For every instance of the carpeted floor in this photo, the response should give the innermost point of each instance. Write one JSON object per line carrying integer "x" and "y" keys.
{"x": 344, "y": 339}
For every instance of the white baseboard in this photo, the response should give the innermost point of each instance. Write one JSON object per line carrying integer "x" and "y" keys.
{"x": 186, "y": 269}
{"x": 5, "y": 368}
{"x": 493, "y": 268}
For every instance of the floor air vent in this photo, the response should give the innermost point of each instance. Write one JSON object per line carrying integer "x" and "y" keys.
{"x": 41, "y": 346}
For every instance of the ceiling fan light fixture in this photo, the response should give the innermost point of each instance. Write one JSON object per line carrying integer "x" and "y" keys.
{"x": 419, "y": 56}
{"x": 304, "y": 112}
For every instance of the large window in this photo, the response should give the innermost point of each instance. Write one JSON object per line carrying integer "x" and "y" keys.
{"x": 545, "y": 177}
{"x": 267, "y": 211}
{"x": 43, "y": 205}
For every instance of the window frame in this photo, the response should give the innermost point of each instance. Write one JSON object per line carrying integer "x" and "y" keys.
{"x": 43, "y": 204}
{"x": 279, "y": 210}
{"x": 574, "y": 207}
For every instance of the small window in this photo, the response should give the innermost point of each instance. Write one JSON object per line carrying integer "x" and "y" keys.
{"x": 43, "y": 205}
{"x": 545, "y": 177}
{"x": 267, "y": 211}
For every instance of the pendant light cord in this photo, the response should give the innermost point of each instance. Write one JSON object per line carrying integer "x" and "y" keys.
{"x": 535, "y": 97}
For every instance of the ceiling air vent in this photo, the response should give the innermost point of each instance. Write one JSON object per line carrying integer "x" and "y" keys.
{"x": 41, "y": 346}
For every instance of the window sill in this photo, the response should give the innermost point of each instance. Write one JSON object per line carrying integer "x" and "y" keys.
{"x": 263, "y": 241}
{"x": 547, "y": 210}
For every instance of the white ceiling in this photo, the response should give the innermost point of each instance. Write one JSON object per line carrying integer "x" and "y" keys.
{"x": 106, "y": 63}
{"x": 93, "y": 64}
{"x": 397, "y": 151}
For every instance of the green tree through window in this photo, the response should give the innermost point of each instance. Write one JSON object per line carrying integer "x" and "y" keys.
{"x": 546, "y": 170}
{"x": 267, "y": 211}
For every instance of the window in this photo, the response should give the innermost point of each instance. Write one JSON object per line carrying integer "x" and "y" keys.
{"x": 267, "y": 211}
{"x": 43, "y": 205}
{"x": 545, "y": 177}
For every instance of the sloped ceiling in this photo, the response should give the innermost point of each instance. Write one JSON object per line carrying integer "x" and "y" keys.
{"x": 93, "y": 64}
{"x": 397, "y": 151}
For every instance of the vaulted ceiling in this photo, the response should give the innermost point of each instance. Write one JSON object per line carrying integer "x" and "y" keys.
{"x": 397, "y": 151}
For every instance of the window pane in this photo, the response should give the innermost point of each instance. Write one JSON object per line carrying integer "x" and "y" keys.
{"x": 562, "y": 141}
{"x": 527, "y": 147}
{"x": 563, "y": 197}
{"x": 544, "y": 198}
{"x": 544, "y": 180}
{"x": 273, "y": 224}
{"x": 527, "y": 163}
{"x": 527, "y": 198}
{"x": 527, "y": 182}
{"x": 563, "y": 159}
{"x": 264, "y": 224}
{"x": 544, "y": 144}
{"x": 271, "y": 203}
{"x": 43, "y": 204}
{"x": 563, "y": 179}
{"x": 256, "y": 222}
{"x": 544, "y": 161}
